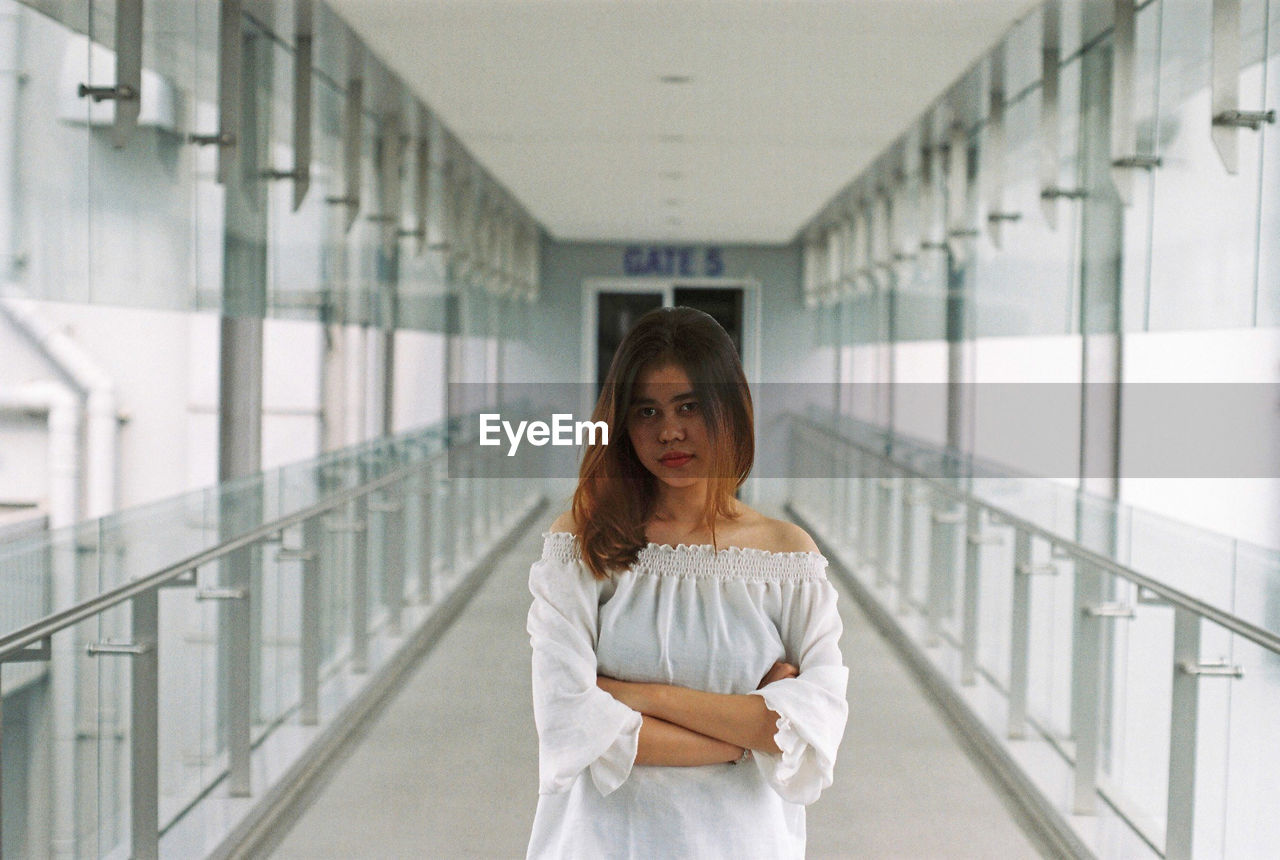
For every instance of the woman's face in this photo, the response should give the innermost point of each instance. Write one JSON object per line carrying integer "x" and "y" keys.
{"x": 666, "y": 426}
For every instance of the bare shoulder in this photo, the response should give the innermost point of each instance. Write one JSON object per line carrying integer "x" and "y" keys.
{"x": 565, "y": 523}
{"x": 789, "y": 537}
{"x": 757, "y": 530}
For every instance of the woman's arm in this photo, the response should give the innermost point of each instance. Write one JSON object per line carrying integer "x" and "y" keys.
{"x": 663, "y": 743}
{"x": 742, "y": 721}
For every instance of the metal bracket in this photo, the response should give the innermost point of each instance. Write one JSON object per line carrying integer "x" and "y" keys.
{"x": 933, "y": 246}
{"x": 296, "y": 555}
{"x": 1211, "y": 670}
{"x": 118, "y": 649}
{"x": 1062, "y": 193}
{"x": 121, "y": 92}
{"x": 416, "y": 234}
{"x": 964, "y": 233}
{"x": 998, "y": 217}
{"x": 281, "y": 174}
{"x": 219, "y": 139}
{"x": 221, "y": 594}
{"x": 985, "y": 540}
{"x": 1109, "y": 610}
{"x": 39, "y": 653}
{"x": 342, "y": 201}
{"x": 949, "y": 519}
{"x": 1251, "y": 119}
{"x": 382, "y": 219}
{"x": 1049, "y": 569}
{"x": 1138, "y": 162}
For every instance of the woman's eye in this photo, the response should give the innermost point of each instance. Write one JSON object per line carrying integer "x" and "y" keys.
{"x": 689, "y": 406}
{"x": 646, "y": 411}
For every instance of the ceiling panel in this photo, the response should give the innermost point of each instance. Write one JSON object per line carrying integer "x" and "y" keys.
{"x": 565, "y": 103}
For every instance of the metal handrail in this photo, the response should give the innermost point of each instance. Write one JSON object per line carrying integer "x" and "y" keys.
{"x": 42, "y": 629}
{"x": 1248, "y": 630}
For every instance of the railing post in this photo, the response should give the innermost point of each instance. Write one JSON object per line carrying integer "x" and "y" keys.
{"x": 884, "y": 537}
{"x": 941, "y": 567}
{"x": 312, "y": 588}
{"x": 1185, "y": 710}
{"x": 972, "y": 579}
{"x": 906, "y": 547}
{"x": 1086, "y": 686}
{"x": 1020, "y": 635}
{"x": 144, "y": 735}
{"x": 425, "y": 523}
{"x": 360, "y": 581}
{"x": 238, "y": 627}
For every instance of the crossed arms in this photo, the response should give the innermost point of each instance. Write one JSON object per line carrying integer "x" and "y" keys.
{"x": 683, "y": 727}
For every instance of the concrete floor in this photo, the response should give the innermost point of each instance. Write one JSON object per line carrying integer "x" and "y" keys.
{"x": 449, "y": 769}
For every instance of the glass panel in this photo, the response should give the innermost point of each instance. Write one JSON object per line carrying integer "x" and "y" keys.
{"x": 1137, "y": 731}
{"x": 1267, "y": 301}
{"x": 1204, "y": 230}
{"x": 51, "y": 252}
{"x": 1249, "y": 782}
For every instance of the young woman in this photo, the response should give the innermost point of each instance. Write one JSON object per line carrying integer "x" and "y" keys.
{"x": 688, "y": 688}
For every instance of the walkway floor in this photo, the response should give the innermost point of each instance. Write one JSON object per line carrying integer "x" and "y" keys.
{"x": 449, "y": 769}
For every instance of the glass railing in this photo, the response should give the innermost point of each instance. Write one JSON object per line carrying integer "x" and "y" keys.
{"x": 168, "y": 668}
{"x": 1129, "y": 665}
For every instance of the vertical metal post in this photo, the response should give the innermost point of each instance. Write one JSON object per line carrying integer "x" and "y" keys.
{"x": 302, "y": 101}
{"x": 1050, "y": 59}
{"x": 1086, "y": 686}
{"x": 144, "y": 737}
{"x": 128, "y": 99}
{"x": 425, "y": 528}
{"x": 1124, "y": 135}
{"x": 906, "y": 547}
{"x": 865, "y": 512}
{"x": 230, "y": 60}
{"x": 1185, "y": 710}
{"x": 884, "y": 550}
{"x": 360, "y": 579}
{"x": 393, "y": 539}
{"x": 942, "y": 542}
{"x": 972, "y": 585}
{"x": 1020, "y": 635}
{"x": 312, "y": 589}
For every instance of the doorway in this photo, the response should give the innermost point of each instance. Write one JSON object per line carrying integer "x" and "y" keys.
{"x": 611, "y": 308}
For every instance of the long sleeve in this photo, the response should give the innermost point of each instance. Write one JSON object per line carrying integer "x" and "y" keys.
{"x": 579, "y": 724}
{"x": 811, "y": 707}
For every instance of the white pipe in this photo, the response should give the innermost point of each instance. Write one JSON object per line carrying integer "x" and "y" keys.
{"x": 62, "y": 408}
{"x": 94, "y": 384}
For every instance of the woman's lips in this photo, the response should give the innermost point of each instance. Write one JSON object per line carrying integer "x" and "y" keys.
{"x": 675, "y": 461}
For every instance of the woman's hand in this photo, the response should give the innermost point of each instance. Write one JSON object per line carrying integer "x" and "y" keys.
{"x": 777, "y": 672}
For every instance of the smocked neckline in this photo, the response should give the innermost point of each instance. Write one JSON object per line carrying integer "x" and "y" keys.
{"x": 704, "y": 560}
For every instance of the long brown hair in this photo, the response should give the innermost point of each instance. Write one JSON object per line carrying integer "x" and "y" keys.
{"x": 616, "y": 494}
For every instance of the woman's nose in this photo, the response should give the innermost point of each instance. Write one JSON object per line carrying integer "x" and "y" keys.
{"x": 671, "y": 430}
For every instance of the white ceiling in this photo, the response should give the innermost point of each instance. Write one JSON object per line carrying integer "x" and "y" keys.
{"x": 563, "y": 101}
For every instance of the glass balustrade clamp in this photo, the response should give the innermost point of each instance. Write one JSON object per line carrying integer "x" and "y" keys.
{"x": 1251, "y": 119}
{"x": 1109, "y": 610}
{"x": 119, "y": 649}
{"x": 1056, "y": 193}
{"x": 1211, "y": 670}
{"x": 121, "y": 92}
{"x": 220, "y": 593}
{"x": 216, "y": 139}
{"x": 1138, "y": 162}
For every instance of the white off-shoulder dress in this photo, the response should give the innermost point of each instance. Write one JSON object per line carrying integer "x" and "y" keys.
{"x": 695, "y": 617}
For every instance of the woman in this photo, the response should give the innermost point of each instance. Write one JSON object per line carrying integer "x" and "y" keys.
{"x": 688, "y": 687}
